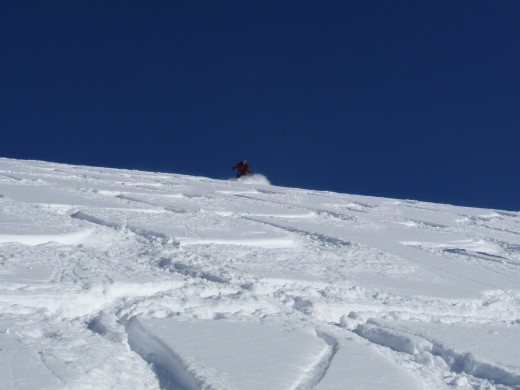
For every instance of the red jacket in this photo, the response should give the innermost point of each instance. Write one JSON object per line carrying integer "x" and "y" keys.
{"x": 242, "y": 167}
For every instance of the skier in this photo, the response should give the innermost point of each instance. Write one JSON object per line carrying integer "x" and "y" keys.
{"x": 243, "y": 168}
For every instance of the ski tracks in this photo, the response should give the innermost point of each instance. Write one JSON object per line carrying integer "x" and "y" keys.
{"x": 314, "y": 277}
{"x": 459, "y": 368}
{"x": 348, "y": 307}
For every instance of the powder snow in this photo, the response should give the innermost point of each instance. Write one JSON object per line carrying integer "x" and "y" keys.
{"x": 119, "y": 279}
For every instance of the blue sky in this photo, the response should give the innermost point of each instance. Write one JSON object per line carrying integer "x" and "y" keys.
{"x": 407, "y": 99}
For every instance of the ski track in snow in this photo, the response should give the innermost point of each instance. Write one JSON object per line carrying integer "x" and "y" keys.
{"x": 126, "y": 279}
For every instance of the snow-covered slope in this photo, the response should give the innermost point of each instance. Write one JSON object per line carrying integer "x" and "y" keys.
{"x": 114, "y": 279}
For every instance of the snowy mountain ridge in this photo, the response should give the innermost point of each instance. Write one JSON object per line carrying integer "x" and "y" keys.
{"x": 140, "y": 280}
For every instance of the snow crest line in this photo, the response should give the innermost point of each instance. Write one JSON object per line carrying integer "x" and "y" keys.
{"x": 114, "y": 225}
{"x": 323, "y": 362}
{"x": 313, "y": 235}
{"x": 424, "y": 351}
{"x": 168, "y": 366}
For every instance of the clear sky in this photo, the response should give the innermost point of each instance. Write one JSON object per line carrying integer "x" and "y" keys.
{"x": 407, "y": 99}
